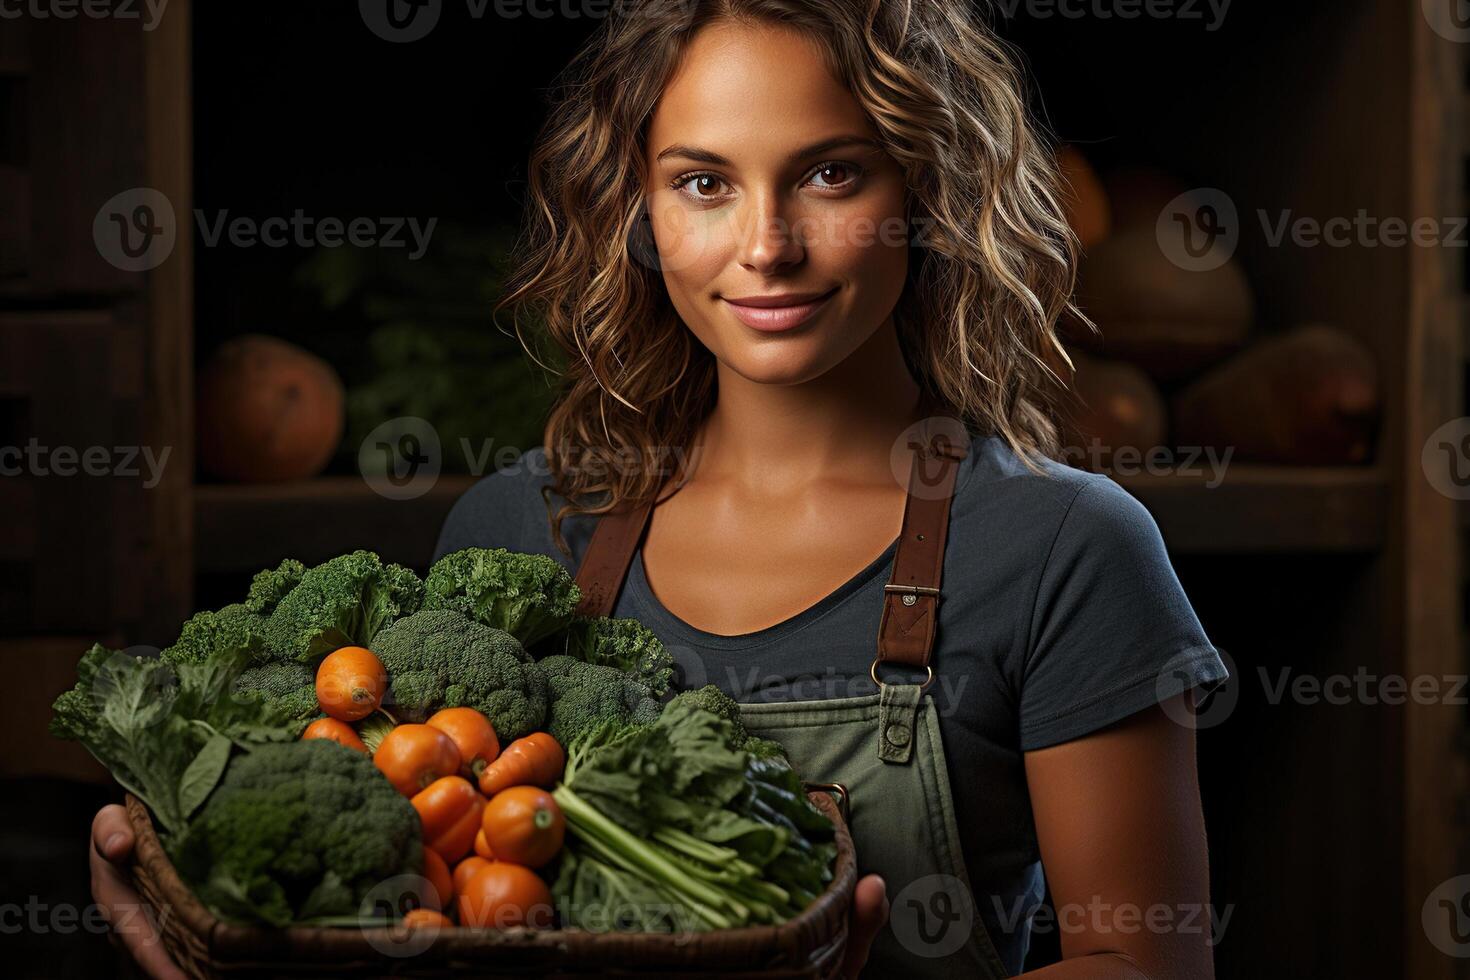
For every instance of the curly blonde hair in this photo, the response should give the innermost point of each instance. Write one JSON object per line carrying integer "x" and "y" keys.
{"x": 991, "y": 274}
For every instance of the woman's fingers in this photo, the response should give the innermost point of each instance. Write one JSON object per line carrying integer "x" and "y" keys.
{"x": 869, "y": 915}
{"x": 112, "y": 889}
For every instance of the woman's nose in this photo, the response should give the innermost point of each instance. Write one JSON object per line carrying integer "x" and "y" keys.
{"x": 768, "y": 239}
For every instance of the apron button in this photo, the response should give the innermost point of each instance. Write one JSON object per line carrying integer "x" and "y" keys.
{"x": 897, "y": 734}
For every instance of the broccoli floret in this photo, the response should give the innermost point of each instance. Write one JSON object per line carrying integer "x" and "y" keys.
{"x": 207, "y": 635}
{"x": 342, "y": 602}
{"x": 584, "y": 696}
{"x": 269, "y": 587}
{"x": 441, "y": 659}
{"x": 528, "y": 596}
{"x": 74, "y": 712}
{"x": 624, "y": 644}
{"x": 716, "y": 701}
{"x": 298, "y": 830}
{"x": 287, "y": 685}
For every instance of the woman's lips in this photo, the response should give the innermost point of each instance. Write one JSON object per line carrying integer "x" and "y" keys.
{"x": 772, "y": 319}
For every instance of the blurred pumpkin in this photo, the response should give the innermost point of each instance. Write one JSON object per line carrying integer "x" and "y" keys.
{"x": 267, "y": 411}
{"x": 1170, "y": 321}
{"x": 1308, "y": 396}
{"x": 1088, "y": 210}
{"x": 1117, "y": 405}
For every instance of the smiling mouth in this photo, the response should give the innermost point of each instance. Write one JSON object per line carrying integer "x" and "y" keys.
{"x": 773, "y": 319}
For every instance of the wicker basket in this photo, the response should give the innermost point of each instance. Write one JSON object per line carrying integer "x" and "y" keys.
{"x": 810, "y": 945}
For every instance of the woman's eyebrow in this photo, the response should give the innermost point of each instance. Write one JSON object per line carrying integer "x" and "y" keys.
{"x": 700, "y": 155}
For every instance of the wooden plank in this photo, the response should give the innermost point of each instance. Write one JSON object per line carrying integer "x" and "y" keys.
{"x": 168, "y": 421}
{"x": 37, "y": 669}
{"x": 245, "y": 528}
{"x": 1426, "y": 550}
{"x": 1258, "y": 509}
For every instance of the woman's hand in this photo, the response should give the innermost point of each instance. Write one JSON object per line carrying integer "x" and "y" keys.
{"x": 869, "y": 915}
{"x": 112, "y": 890}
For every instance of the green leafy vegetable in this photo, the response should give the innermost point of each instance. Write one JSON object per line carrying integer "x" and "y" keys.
{"x": 342, "y": 602}
{"x": 624, "y": 644}
{"x": 161, "y": 728}
{"x": 528, "y": 596}
{"x": 678, "y": 808}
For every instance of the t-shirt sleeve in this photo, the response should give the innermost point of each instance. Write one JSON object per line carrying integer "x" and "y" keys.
{"x": 1111, "y": 630}
{"x": 490, "y": 514}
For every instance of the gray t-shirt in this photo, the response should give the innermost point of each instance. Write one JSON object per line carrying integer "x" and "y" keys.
{"x": 1061, "y": 614}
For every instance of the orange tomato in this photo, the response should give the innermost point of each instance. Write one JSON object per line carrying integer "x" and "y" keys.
{"x": 482, "y": 847}
{"x": 440, "y": 881}
{"x": 335, "y": 731}
{"x": 501, "y": 895}
{"x": 413, "y": 756}
{"x": 426, "y": 919}
{"x": 449, "y": 809}
{"x": 474, "y": 736}
{"x": 350, "y": 683}
{"x": 523, "y": 825}
{"x": 464, "y": 869}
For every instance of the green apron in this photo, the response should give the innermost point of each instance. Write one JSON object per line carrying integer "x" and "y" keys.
{"x": 881, "y": 753}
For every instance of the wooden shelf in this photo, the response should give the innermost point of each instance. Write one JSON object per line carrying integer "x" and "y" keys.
{"x": 1259, "y": 509}
{"x": 248, "y": 527}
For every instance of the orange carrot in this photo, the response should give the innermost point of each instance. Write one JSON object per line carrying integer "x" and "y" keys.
{"x": 536, "y": 760}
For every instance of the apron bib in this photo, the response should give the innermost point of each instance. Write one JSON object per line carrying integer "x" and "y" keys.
{"x": 881, "y": 753}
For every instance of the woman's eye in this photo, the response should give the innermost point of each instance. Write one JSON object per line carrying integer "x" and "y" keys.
{"x": 701, "y": 183}
{"x": 846, "y": 171}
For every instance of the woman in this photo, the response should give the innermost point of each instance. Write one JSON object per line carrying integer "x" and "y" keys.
{"x": 806, "y": 262}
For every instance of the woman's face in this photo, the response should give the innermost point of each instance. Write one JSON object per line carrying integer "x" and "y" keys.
{"x": 765, "y": 179}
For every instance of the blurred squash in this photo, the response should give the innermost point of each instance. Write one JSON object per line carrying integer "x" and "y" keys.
{"x": 1088, "y": 210}
{"x": 1170, "y": 321}
{"x": 1308, "y": 396}
{"x": 267, "y": 411}
{"x": 1117, "y": 405}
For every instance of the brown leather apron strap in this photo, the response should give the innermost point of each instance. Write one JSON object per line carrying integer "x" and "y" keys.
{"x": 609, "y": 553}
{"x": 911, "y": 597}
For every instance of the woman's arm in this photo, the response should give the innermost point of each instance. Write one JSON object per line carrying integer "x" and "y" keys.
{"x": 1123, "y": 844}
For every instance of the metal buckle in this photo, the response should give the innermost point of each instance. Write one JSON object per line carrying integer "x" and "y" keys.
{"x": 873, "y": 673}
{"x": 837, "y": 789}
{"x": 911, "y": 593}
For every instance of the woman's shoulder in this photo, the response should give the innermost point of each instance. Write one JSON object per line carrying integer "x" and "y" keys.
{"x": 504, "y": 509}
{"x": 1088, "y": 507}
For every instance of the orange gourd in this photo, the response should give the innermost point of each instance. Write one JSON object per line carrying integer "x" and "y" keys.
{"x": 441, "y": 883}
{"x": 350, "y": 683}
{"x": 465, "y": 869}
{"x": 502, "y": 895}
{"x": 449, "y": 810}
{"x": 413, "y": 756}
{"x": 474, "y": 736}
{"x": 335, "y": 731}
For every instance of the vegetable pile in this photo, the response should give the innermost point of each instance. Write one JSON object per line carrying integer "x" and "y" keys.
{"x": 347, "y": 725}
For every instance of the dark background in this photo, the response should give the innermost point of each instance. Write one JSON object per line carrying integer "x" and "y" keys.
{"x": 1329, "y": 824}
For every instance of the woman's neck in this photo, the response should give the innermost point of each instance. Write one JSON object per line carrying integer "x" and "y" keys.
{"x": 841, "y": 426}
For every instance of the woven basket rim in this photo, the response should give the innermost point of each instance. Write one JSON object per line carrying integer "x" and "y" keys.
{"x": 814, "y": 939}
